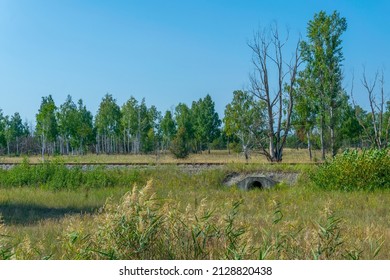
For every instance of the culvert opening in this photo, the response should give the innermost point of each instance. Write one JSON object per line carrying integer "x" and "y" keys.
{"x": 255, "y": 185}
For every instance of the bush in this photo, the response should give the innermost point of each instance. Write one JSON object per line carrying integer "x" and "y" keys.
{"x": 353, "y": 170}
{"x": 179, "y": 146}
{"x": 56, "y": 175}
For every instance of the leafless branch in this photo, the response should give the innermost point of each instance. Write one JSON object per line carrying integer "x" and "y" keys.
{"x": 377, "y": 109}
{"x": 267, "y": 49}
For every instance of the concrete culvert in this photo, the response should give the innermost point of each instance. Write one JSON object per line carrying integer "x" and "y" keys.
{"x": 256, "y": 182}
{"x": 265, "y": 180}
{"x": 248, "y": 182}
{"x": 255, "y": 185}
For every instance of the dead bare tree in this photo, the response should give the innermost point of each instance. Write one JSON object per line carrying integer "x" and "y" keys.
{"x": 378, "y": 132}
{"x": 267, "y": 48}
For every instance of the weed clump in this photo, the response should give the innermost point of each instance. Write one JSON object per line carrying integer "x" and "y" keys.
{"x": 141, "y": 227}
{"x": 353, "y": 170}
{"x": 57, "y": 175}
{"x": 5, "y": 245}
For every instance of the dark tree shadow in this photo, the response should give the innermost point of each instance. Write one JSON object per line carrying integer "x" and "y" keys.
{"x": 25, "y": 214}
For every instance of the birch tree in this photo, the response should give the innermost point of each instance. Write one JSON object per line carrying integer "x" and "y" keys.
{"x": 244, "y": 118}
{"x": 46, "y": 127}
{"x": 108, "y": 124}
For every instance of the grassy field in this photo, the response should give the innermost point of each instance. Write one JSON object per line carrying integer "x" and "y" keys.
{"x": 174, "y": 214}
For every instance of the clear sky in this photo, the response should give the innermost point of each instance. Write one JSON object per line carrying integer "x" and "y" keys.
{"x": 166, "y": 51}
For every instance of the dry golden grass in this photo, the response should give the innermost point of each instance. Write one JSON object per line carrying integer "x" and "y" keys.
{"x": 216, "y": 156}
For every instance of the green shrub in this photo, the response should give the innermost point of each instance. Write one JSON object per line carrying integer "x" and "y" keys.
{"x": 56, "y": 175}
{"x": 354, "y": 170}
{"x": 179, "y": 146}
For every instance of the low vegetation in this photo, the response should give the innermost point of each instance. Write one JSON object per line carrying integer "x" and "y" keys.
{"x": 354, "y": 170}
{"x": 56, "y": 175}
{"x": 170, "y": 213}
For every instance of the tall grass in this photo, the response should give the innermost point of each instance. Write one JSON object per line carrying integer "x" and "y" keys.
{"x": 5, "y": 245}
{"x": 144, "y": 227}
{"x": 181, "y": 215}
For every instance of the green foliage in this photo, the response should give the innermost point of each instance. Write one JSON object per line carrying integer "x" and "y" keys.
{"x": 5, "y": 244}
{"x": 130, "y": 119}
{"x": 56, "y": 175}
{"x": 179, "y": 146}
{"x": 349, "y": 129}
{"x": 151, "y": 129}
{"x": 320, "y": 81}
{"x": 235, "y": 248}
{"x": 139, "y": 126}
{"x": 85, "y": 129}
{"x": 46, "y": 120}
{"x": 354, "y": 170}
{"x": 2, "y": 129}
{"x": 168, "y": 129}
{"x": 206, "y": 122}
{"x": 12, "y": 130}
{"x": 67, "y": 119}
{"x": 244, "y": 119}
{"x": 329, "y": 238}
{"x": 75, "y": 125}
{"x": 107, "y": 123}
{"x": 184, "y": 120}
{"x": 108, "y": 116}
{"x": 47, "y": 127}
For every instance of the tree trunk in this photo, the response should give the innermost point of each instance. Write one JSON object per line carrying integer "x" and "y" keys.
{"x": 270, "y": 49}
{"x": 124, "y": 141}
{"x": 97, "y": 144}
{"x": 17, "y": 145}
{"x": 332, "y": 142}
{"x": 332, "y": 133}
{"x": 228, "y": 146}
{"x": 246, "y": 154}
{"x": 309, "y": 145}
{"x": 128, "y": 143}
{"x": 271, "y": 147}
{"x": 322, "y": 137}
{"x": 43, "y": 147}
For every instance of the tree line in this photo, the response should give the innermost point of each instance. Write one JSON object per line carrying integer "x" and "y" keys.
{"x": 133, "y": 128}
{"x": 293, "y": 101}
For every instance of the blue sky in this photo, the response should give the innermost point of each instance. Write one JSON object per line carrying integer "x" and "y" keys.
{"x": 165, "y": 51}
